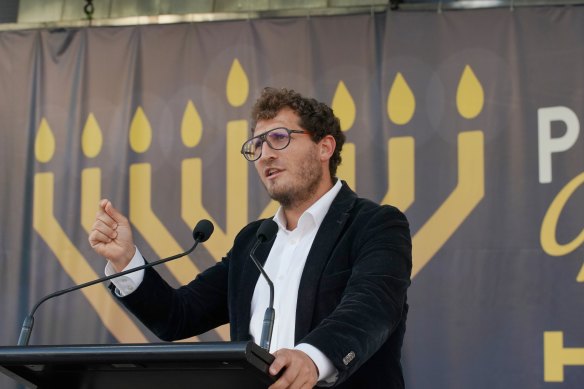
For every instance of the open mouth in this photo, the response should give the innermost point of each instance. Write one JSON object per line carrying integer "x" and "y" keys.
{"x": 271, "y": 172}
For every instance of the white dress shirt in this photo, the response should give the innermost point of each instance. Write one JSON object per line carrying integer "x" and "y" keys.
{"x": 284, "y": 266}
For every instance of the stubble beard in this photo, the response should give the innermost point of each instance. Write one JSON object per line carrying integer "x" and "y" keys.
{"x": 307, "y": 179}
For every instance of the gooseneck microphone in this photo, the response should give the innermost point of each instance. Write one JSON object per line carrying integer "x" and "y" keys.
{"x": 201, "y": 233}
{"x": 267, "y": 231}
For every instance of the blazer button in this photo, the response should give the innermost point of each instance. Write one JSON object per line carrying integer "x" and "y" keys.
{"x": 348, "y": 358}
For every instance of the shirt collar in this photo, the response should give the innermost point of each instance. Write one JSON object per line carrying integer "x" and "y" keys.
{"x": 316, "y": 211}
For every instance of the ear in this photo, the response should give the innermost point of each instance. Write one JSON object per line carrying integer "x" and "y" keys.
{"x": 327, "y": 147}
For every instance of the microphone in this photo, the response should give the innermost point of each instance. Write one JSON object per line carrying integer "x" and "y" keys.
{"x": 267, "y": 231}
{"x": 201, "y": 233}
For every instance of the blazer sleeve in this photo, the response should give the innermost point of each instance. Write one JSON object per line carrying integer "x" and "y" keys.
{"x": 190, "y": 310}
{"x": 373, "y": 303}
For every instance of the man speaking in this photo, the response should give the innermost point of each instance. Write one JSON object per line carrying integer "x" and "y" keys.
{"x": 340, "y": 264}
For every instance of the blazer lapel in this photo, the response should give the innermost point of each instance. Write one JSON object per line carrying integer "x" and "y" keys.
{"x": 319, "y": 255}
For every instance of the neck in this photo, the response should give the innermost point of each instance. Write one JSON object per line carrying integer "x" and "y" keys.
{"x": 295, "y": 210}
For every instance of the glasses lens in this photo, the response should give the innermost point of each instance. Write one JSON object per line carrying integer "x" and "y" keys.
{"x": 278, "y": 138}
{"x": 250, "y": 150}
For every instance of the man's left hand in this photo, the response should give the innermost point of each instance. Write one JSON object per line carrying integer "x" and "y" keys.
{"x": 300, "y": 372}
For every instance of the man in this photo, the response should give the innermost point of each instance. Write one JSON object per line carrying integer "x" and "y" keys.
{"x": 341, "y": 265}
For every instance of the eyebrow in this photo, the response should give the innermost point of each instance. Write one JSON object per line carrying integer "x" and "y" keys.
{"x": 273, "y": 128}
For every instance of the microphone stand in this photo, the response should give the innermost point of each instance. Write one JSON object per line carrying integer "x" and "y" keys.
{"x": 201, "y": 233}
{"x": 270, "y": 315}
{"x": 267, "y": 231}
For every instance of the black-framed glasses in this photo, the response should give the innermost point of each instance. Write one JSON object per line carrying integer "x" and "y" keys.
{"x": 276, "y": 138}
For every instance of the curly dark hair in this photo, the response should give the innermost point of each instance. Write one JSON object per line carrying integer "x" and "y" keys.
{"x": 315, "y": 117}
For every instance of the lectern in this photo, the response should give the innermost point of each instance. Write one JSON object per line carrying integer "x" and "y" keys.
{"x": 214, "y": 365}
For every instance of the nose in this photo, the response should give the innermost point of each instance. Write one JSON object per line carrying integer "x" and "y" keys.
{"x": 267, "y": 151}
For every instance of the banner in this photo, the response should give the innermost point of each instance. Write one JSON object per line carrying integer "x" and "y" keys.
{"x": 468, "y": 121}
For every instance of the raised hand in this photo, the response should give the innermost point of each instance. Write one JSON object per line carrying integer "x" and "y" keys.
{"x": 111, "y": 235}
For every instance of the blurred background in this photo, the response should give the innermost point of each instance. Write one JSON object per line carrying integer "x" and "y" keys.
{"x": 463, "y": 114}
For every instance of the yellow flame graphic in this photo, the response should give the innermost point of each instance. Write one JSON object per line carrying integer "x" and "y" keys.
{"x": 191, "y": 128}
{"x": 344, "y": 106}
{"x": 470, "y": 96}
{"x": 140, "y": 132}
{"x": 44, "y": 145}
{"x": 237, "y": 85}
{"x": 91, "y": 140}
{"x": 401, "y": 103}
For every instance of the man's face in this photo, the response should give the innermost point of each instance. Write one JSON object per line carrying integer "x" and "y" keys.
{"x": 292, "y": 175}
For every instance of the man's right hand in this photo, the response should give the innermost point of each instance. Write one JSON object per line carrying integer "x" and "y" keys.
{"x": 111, "y": 236}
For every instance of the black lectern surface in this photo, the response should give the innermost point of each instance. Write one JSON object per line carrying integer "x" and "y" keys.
{"x": 216, "y": 365}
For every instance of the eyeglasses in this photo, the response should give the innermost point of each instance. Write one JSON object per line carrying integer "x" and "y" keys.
{"x": 277, "y": 139}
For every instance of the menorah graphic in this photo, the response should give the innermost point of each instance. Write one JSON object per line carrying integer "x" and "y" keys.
{"x": 401, "y": 106}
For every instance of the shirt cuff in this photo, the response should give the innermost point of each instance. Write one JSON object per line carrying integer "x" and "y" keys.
{"x": 128, "y": 283}
{"x": 327, "y": 373}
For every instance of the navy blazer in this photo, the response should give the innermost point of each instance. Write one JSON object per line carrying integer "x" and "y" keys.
{"x": 352, "y": 299}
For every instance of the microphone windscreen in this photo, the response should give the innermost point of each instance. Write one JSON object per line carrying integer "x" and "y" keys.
{"x": 267, "y": 231}
{"x": 203, "y": 230}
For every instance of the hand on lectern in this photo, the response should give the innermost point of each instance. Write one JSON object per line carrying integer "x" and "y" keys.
{"x": 111, "y": 236}
{"x": 300, "y": 371}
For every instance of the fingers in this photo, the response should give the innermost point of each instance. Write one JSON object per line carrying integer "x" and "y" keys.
{"x": 111, "y": 235}
{"x": 108, "y": 218}
{"x": 96, "y": 238}
{"x": 103, "y": 215}
{"x": 108, "y": 214}
{"x": 279, "y": 362}
{"x": 104, "y": 227}
{"x": 298, "y": 370}
{"x": 102, "y": 233}
{"x": 112, "y": 212}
